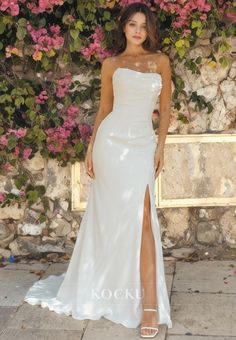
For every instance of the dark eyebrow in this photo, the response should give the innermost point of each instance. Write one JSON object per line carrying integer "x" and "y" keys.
{"x": 136, "y": 21}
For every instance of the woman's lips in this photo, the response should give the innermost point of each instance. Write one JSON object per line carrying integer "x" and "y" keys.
{"x": 136, "y": 37}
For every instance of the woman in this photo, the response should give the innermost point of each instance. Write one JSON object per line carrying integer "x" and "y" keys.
{"x": 117, "y": 269}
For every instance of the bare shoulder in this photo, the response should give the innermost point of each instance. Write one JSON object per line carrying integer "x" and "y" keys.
{"x": 108, "y": 63}
{"x": 163, "y": 60}
{"x": 108, "y": 66}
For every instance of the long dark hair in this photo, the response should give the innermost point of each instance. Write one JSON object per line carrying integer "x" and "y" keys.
{"x": 151, "y": 43}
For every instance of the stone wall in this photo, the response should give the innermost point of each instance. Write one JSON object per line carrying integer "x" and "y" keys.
{"x": 21, "y": 235}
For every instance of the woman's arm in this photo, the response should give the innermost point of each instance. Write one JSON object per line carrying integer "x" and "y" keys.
{"x": 165, "y": 101}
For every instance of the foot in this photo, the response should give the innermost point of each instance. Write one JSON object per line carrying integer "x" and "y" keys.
{"x": 149, "y": 319}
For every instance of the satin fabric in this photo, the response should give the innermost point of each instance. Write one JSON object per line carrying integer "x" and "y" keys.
{"x": 103, "y": 275}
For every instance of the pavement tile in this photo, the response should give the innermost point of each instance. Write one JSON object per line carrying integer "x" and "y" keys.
{"x": 104, "y": 329}
{"x": 6, "y": 313}
{"x": 203, "y": 314}
{"x": 56, "y": 269}
{"x": 205, "y": 276}
{"x": 14, "y": 285}
{"x": 169, "y": 280}
{"x": 169, "y": 266}
{"x": 29, "y": 316}
{"x": 26, "y": 266}
{"x": 203, "y": 300}
{"x": 187, "y": 337}
{"x": 40, "y": 334}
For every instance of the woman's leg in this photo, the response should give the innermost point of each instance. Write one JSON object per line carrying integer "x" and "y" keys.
{"x": 148, "y": 269}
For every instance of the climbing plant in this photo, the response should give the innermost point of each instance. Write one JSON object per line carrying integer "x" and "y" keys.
{"x": 45, "y": 48}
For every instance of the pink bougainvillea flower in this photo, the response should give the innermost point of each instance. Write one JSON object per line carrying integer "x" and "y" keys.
{"x": 64, "y": 85}
{"x": 55, "y": 29}
{"x": 43, "y": 5}
{"x": 7, "y": 166}
{"x": 181, "y": 9}
{"x": 26, "y": 153}
{"x": 2, "y": 197}
{"x": 22, "y": 193}
{"x": 231, "y": 16}
{"x": 3, "y": 140}
{"x": 41, "y": 98}
{"x": 73, "y": 111}
{"x": 20, "y": 133}
{"x": 94, "y": 46}
{"x": 45, "y": 40}
{"x": 128, "y": 2}
{"x": 37, "y": 55}
{"x": 10, "y": 6}
{"x": 16, "y": 151}
{"x": 85, "y": 131}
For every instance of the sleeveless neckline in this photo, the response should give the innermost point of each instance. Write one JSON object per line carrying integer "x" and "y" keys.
{"x": 129, "y": 69}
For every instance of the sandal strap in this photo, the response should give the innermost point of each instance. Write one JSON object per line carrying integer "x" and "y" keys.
{"x": 150, "y": 309}
{"x": 149, "y": 327}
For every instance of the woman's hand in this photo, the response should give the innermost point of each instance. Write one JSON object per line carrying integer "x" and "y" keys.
{"x": 89, "y": 162}
{"x": 158, "y": 161}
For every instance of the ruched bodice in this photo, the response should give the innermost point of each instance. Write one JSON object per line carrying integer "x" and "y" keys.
{"x": 136, "y": 90}
{"x": 135, "y": 97}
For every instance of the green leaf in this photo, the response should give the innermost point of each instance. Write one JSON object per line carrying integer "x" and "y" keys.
{"x": 198, "y": 60}
{"x": 12, "y": 142}
{"x": 2, "y": 27}
{"x": 10, "y": 110}
{"x": 74, "y": 34}
{"x": 19, "y": 101}
{"x": 224, "y": 61}
{"x": 22, "y": 22}
{"x": 32, "y": 115}
{"x": 29, "y": 102}
{"x": 196, "y": 23}
{"x": 109, "y": 26}
{"x": 186, "y": 43}
{"x": 8, "y": 20}
{"x": 40, "y": 190}
{"x": 32, "y": 197}
{"x": 21, "y": 33}
{"x": 107, "y": 15}
{"x": 79, "y": 25}
{"x": 29, "y": 187}
{"x": 166, "y": 41}
{"x": 5, "y": 98}
{"x": 181, "y": 52}
{"x": 45, "y": 63}
{"x": 80, "y": 8}
{"x": 42, "y": 22}
{"x": 21, "y": 181}
{"x": 209, "y": 107}
{"x": 77, "y": 45}
{"x": 198, "y": 32}
{"x": 42, "y": 217}
{"x": 179, "y": 43}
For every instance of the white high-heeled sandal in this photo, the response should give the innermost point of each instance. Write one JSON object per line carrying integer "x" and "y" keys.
{"x": 149, "y": 327}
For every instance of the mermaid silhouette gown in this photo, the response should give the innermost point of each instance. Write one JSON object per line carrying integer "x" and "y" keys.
{"x": 103, "y": 275}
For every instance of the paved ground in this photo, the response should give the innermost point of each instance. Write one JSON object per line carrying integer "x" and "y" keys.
{"x": 202, "y": 295}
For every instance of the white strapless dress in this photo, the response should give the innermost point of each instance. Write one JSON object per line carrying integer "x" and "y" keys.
{"x": 103, "y": 275}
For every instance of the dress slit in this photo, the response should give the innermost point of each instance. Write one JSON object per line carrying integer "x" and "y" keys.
{"x": 149, "y": 183}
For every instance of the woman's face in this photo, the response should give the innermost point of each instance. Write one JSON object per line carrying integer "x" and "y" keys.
{"x": 135, "y": 29}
